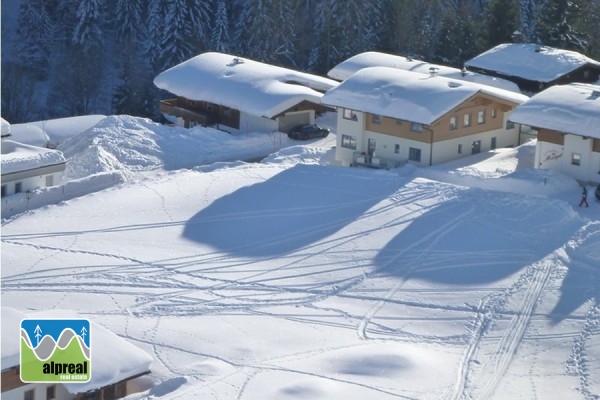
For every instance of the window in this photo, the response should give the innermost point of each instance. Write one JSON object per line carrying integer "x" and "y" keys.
{"x": 29, "y": 394}
{"x": 18, "y": 187}
{"x": 493, "y": 144}
{"x": 350, "y": 114}
{"x": 3, "y": 190}
{"x": 396, "y": 149}
{"x": 348, "y": 142}
{"x": 510, "y": 125}
{"x": 493, "y": 113}
{"x": 453, "y": 124}
{"x": 416, "y": 127}
{"x": 49, "y": 180}
{"x": 51, "y": 392}
{"x": 460, "y": 149}
{"x": 576, "y": 159}
{"x": 376, "y": 119}
{"x": 467, "y": 120}
{"x": 481, "y": 117}
{"x": 414, "y": 154}
{"x": 398, "y": 121}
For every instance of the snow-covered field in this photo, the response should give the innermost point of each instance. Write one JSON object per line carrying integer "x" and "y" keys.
{"x": 297, "y": 279}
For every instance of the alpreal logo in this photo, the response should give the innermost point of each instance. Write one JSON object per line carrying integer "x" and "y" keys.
{"x": 55, "y": 350}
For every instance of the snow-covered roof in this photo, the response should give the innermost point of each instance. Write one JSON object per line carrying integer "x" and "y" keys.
{"x": 250, "y": 86}
{"x": 55, "y": 131}
{"x": 348, "y": 67}
{"x": 530, "y": 61}
{"x": 17, "y": 157}
{"x": 408, "y": 95}
{"x": 5, "y": 127}
{"x": 113, "y": 358}
{"x": 573, "y": 108}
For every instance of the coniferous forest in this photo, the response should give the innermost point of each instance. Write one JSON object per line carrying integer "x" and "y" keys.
{"x": 74, "y": 57}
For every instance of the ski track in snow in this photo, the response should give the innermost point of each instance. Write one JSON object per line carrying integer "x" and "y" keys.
{"x": 180, "y": 278}
{"x": 432, "y": 238}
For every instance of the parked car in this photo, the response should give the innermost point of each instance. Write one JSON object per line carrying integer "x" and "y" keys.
{"x": 305, "y": 132}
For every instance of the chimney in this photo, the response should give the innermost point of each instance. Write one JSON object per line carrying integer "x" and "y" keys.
{"x": 433, "y": 71}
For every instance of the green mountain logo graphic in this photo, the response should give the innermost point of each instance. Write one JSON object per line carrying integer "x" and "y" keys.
{"x": 64, "y": 360}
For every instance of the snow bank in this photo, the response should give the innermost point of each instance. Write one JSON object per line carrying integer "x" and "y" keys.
{"x": 132, "y": 145}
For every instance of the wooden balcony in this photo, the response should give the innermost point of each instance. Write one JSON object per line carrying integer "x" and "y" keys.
{"x": 174, "y": 107}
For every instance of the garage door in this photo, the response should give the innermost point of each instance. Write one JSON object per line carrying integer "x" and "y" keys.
{"x": 290, "y": 121}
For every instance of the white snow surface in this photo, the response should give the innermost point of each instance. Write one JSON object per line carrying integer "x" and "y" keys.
{"x": 572, "y": 108}
{"x": 530, "y": 61}
{"x": 124, "y": 360}
{"x": 296, "y": 279}
{"x": 346, "y": 68}
{"x": 408, "y": 95}
{"x": 54, "y": 131}
{"x": 18, "y": 157}
{"x": 256, "y": 88}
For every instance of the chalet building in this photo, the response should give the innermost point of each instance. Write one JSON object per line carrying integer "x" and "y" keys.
{"x": 387, "y": 117}
{"x": 535, "y": 67}
{"x": 115, "y": 363}
{"x": 567, "y": 121}
{"x": 346, "y": 68}
{"x": 26, "y": 167}
{"x": 240, "y": 95}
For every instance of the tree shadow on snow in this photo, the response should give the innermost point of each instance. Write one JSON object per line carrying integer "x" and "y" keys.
{"x": 291, "y": 210}
{"x": 480, "y": 237}
{"x": 582, "y": 282}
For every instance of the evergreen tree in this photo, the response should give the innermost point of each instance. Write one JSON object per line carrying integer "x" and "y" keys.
{"x": 458, "y": 37}
{"x": 89, "y": 31}
{"x": 184, "y": 31}
{"x": 503, "y": 19}
{"x": 323, "y": 41}
{"x": 588, "y": 25}
{"x": 529, "y": 11}
{"x": 34, "y": 37}
{"x": 131, "y": 95}
{"x": 129, "y": 20}
{"x": 557, "y": 22}
{"x": 415, "y": 24}
{"x": 219, "y": 38}
{"x": 156, "y": 27}
{"x": 255, "y": 30}
{"x": 285, "y": 34}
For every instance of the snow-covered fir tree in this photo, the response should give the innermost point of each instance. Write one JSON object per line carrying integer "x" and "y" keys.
{"x": 219, "y": 39}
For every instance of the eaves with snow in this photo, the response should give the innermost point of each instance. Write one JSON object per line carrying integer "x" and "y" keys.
{"x": 250, "y": 86}
{"x": 536, "y": 63}
{"x": 20, "y": 157}
{"x": 407, "y": 95}
{"x": 346, "y": 68}
{"x": 113, "y": 358}
{"x": 573, "y": 108}
{"x": 5, "y": 127}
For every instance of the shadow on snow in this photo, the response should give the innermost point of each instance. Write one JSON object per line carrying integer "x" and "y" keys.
{"x": 582, "y": 281}
{"x": 477, "y": 238}
{"x": 293, "y": 209}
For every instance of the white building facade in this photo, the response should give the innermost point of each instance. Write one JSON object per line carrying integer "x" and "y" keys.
{"x": 567, "y": 121}
{"x": 387, "y": 117}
